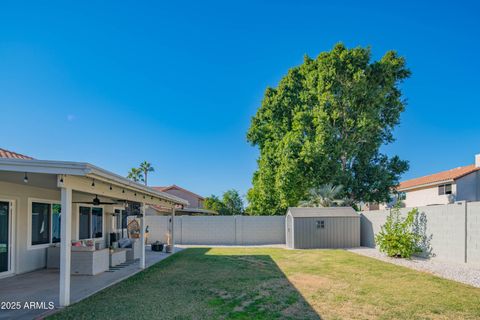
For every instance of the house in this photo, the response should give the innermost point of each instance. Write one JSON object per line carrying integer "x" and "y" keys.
{"x": 458, "y": 184}
{"x": 195, "y": 201}
{"x": 50, "y": 204}
{"x": 7, "y": 154}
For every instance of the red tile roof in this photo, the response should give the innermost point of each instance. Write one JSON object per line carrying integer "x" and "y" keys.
{"x": 13, "y": 155}
{"x": 439, "y": 177}
{"x": 173, "y": 186}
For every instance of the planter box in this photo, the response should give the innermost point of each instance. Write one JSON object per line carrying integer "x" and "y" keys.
{"x": 118, "y": 256}
{"x": 85, "y": 261}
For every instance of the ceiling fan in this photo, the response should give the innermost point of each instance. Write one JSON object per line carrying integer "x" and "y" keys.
{"x": 96, "y": 201}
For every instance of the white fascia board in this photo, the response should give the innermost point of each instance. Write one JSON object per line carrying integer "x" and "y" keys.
{"x": 81, "y": 169}
{"x": 426, "y": 185}
{"x": 44, "y": 166}
{"x": 115, "y": 178}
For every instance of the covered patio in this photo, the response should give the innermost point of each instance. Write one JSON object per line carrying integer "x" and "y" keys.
{"x": 45, "y": 206}
{"x": 42, "y": 286}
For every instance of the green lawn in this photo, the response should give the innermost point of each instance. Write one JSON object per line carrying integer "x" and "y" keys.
{"x": 265, "y": 283}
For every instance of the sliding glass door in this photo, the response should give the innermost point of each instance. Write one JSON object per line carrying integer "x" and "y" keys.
{"x": 4, "y": 236}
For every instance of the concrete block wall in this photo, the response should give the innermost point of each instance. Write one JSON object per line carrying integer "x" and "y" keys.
{"x": 219, "y": 230}
{"x": 473, "y": 232}
{"x": 452, "y": 229}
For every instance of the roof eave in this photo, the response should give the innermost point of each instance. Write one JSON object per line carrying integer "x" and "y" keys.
{"x": 81, "y": 169}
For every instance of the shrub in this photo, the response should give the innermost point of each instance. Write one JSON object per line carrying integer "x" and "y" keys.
{"x": 397, "y": 237}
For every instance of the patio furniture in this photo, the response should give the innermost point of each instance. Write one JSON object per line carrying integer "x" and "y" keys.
{"x": 84, "y": 260}
{"x": 132, "y": 246}
{"x": 157, "y": 246}
{"x": 117, "y": 256}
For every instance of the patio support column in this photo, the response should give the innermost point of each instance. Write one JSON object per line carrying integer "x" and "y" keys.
{"x": 65, "y": 245}
{"x": 173, "y": 228}
{"x": 142, "y": 238}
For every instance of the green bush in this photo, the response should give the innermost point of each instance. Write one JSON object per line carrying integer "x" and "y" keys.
{"x": 397, "y": 237}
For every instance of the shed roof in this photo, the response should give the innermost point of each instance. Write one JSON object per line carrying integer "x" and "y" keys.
{"x": 300, "y": 212}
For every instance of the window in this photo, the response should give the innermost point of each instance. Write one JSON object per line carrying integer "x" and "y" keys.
{"x": 321, "y": 224}
{"x": 445, "y": 189}
{"x": 97, "y": 222}
{"x": 120, "y": 219}
{"x": 40, "y": 223}
{"x": 45, "y": 222}
{"x": 90, "y": 223}
{"x": 56, "y": 222}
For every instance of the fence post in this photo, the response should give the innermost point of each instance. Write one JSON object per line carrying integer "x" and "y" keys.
{"x": 466, "y": 231}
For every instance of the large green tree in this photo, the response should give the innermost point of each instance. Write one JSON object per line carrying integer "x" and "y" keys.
{"x": 324, "y": 124}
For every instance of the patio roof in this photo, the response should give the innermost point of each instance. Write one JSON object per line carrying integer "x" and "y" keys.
{"x": 83, "y": 169}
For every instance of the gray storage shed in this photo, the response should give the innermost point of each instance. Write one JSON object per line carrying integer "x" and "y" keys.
{"x": 334, "y": 227}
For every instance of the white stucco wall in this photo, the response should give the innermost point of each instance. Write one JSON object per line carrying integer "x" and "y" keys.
{"x": 27, "y": 257}
{"x": 427, "y": 196}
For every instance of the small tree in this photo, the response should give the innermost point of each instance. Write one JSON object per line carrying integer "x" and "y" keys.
{"x": 230, "y": 204}
{"x": 325, "y": 196}
{"x": 215, "y": 204}
{"x": 135, "y": 174}
{"x": 233, "y": 202}
{"x": 397, "y": 237}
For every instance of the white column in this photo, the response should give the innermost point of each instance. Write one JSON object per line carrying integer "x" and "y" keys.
{"x": 65, "y": 245}
{"x": 173, "y": 229}
{"x": 142, "y": 237}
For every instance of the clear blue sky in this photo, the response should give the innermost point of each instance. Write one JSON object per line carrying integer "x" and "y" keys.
{"x": 114, "y": 83}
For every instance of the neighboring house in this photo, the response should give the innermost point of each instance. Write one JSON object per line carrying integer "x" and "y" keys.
{"x": 462, "y": 183}
{"x": 194, "y": 200}
{"x": 13, "y": 155}
{"x": 195, "y": 206}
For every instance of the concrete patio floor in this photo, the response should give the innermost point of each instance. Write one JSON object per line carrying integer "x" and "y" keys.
{"x": 43, "y": 286}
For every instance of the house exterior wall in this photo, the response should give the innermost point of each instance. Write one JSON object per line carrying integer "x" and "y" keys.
{"x": 29, "y": 257}
{"x": 194, "y": 201}
{"x": 339, "y": 232}
{"x": 468, "y": 187}
{"x": 426, "y": 196}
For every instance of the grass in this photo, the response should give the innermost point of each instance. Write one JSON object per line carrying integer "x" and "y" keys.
{"x": 266, "y": 283}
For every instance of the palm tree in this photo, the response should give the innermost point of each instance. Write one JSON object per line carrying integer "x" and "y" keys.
{"x": 146, "y": 167}
{"x": 324, "y": 196}
{"x": 135, "y": 174}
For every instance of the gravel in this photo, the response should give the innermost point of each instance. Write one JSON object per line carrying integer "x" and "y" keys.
{"x": 464, "y": 273}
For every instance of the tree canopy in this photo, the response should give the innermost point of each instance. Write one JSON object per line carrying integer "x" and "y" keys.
{"x": 324, "y": 124}
{"x": 230, "y": 204}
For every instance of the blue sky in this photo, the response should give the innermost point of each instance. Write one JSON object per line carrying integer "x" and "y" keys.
{"x": 114, "y": 83}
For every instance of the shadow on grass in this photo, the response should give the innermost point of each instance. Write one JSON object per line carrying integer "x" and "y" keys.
{"x": 195, "y": 284}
